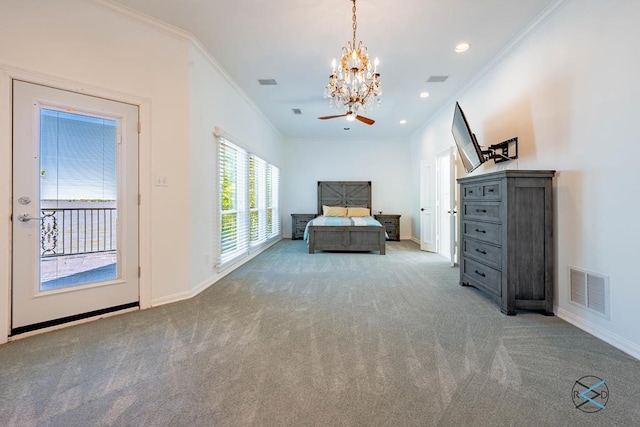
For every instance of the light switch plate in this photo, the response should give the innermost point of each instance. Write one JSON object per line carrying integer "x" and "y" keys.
{"x": 161, "y": 181}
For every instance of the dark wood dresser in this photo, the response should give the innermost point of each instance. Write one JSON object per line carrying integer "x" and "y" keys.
{"x": 391, "y": 223}
{"x": 298, "y": 224}
{"x": 506, "y": 238}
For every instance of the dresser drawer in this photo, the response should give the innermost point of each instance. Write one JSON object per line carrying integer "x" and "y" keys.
{"x": 482, "y": 191}
{"x": 392, "y": 235}
{"x": 391, "y": 228}
{"x": 392, "y": 225}
{"x": 475, "y": 273}
{"x": 485, "y": 231}
{"x": 483, "y": 252}
{"x": 482, "y": 210}
{"x": 298, "y": 224}
{"x": 302, "y": 221}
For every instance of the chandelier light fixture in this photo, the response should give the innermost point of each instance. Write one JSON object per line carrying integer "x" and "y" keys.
{"x": 354, "y": 84}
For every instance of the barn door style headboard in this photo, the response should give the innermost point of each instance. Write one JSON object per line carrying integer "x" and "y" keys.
{"x": 344, "y": 193}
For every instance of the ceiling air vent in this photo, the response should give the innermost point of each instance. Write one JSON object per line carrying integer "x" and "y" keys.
{"x": 267, "y": 82}
{"x": 437, "y": 79}
{"x": 589, "y": 290}
{"x": 296, "y": 111}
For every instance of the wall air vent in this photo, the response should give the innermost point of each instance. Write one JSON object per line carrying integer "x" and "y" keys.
{"x": 267, "y": 82}
{"x": 578, "y": 281}
{"x": 589, "y": 290}
{"x": 437, "y": 79}
{"x": 296, "y": 111}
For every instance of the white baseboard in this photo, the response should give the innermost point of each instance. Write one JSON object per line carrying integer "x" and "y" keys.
{"x": 618, "y": 342}
{"x": 168, "y": 299}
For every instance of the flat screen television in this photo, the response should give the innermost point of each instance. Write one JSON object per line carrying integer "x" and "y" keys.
{"x": 468, "y": 147}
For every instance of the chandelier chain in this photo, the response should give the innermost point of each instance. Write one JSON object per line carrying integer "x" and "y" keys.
{"x": 355, "y": 23}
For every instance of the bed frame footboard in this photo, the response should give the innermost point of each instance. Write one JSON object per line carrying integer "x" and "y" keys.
{"x": 347, "y": 238}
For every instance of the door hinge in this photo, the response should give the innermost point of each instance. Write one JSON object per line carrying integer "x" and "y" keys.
{"x": 139, "y": 271}
{"x": 139, "y": 127}
{"x": 139, "y": 199}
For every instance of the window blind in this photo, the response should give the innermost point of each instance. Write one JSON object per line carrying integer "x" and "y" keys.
{"x": 257, "y": 199}
{"x": 248, "y": 202}
{"x": 234, "y": 230}
{"x": 273, "y": 197}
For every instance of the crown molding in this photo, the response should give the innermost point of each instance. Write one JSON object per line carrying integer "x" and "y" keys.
{"x": 180, "y": 34}
{"x": 141, "y": 18}
{"x": 215, "y": 64}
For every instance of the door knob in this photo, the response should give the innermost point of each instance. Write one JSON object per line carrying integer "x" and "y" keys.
{"x": 25, "y": 217}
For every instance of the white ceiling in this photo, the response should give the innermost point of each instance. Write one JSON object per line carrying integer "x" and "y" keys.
{"x": 294, "y": 41}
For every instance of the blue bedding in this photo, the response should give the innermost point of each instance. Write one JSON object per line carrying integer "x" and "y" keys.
{"x": 337, "y": 221}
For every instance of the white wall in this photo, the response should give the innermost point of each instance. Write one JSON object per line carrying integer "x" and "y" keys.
{"x": 569, "y": 91}
{"x": 383, "y": 162}
{"x": 96, "y": 49}
{"x": 216, "y": 102}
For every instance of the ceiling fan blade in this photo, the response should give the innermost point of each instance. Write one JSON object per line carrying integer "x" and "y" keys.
{"x": 331, "y": 117}
{"x": 366, "y": 120}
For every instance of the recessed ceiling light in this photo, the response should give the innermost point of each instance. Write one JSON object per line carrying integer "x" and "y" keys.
{"x": 462, "y": 47}
{"x": 403, "y": 122}
{"x": 424, "y": 95}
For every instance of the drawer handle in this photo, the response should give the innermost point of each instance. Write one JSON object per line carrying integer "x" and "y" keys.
{"x": 470, "y": 191}
{"x": 481, "y": 210}
{"x": 482, "y": 252}
{"x": 480, "y": 231}
{"x": 480, "y": 274}
{"x": 490, "y": 190}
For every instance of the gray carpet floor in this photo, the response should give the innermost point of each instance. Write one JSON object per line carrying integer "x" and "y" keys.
{"x": 330, "y": 339}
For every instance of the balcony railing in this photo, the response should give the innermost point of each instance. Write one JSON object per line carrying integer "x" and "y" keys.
{"x": 74, "y": 231}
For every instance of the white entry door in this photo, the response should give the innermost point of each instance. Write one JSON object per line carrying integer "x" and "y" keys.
{"x": 427, "y": 209}
{"x": 75, "y": 206}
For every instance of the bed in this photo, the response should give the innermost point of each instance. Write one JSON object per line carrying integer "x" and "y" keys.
{"x": 366, "y": 237}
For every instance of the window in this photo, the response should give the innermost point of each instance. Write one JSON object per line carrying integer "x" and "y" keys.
{"x": 249, "y": 213}
{"x": 273, "y": 195}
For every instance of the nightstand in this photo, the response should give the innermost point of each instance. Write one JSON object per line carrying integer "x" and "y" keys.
{"x": 391, "y": 223}
{"x": 298, "y": 224}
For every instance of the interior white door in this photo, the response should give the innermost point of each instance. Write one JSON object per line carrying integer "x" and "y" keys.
{"x": 75, "y": 206}
{"x": 453, "y": 207}
{"x": 427, "y": 209}
{"x": 443, "y": 203}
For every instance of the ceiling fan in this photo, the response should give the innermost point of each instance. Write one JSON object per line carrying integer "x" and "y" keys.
{"x": 350, "y": 116}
